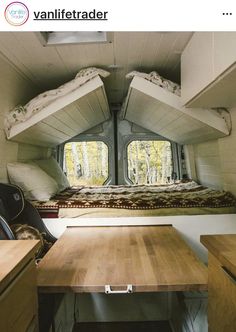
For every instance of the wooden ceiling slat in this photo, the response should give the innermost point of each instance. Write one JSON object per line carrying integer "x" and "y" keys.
{"x": 49, "y": 67}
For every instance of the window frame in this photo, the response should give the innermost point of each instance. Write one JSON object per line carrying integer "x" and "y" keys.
{"x": 174, "y": 154}
{"x": 90, "y": 139}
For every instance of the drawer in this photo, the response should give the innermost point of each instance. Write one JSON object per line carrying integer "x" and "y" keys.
{"x": 222, "y": 298}
{"x": 18, "y": 302}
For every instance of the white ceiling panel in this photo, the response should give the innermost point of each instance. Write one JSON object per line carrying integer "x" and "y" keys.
{"x": 49, "y": 67}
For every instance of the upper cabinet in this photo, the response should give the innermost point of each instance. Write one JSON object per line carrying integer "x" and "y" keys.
{"x": 208, "y": 70}
{"x": 224, "y": 51}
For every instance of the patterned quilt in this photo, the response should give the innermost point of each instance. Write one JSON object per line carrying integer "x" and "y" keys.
{"x": 182, "y": 195}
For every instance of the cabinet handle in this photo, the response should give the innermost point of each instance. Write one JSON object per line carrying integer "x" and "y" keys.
{"x": 108, "y": 290}
{"x": 229, "y": 274}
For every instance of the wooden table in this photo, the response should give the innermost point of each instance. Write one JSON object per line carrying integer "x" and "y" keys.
{"x": 150, "y": 258}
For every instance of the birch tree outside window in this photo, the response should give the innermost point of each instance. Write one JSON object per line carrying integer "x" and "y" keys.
{"x": 86, "y": 163}
{"x": 150, "y": 162}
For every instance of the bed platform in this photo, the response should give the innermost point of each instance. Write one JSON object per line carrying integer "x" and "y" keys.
{"x": 161, "y": 111}
{"x": 66, "y": 112}
{"x": 188, "y": 198}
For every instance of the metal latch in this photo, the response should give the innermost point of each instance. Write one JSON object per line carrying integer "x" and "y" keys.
{"x": 108, "y": 290}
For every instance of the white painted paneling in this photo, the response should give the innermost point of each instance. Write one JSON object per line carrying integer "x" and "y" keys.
{"x": 49, "y": 67}
{"x": 15, "y": 88}
{"x": 3, "y": 174}
{"x": 76, "y": 116}
{"x": 207, "y": 163}
{"x": 30, "y": 152}
{"x": 44, "y": 128}
{"x": 208, "y": 70}
{"x": 220, "y": 93}
{"x": 196, "y": 65}
{"x": 224, "y": 51}
{"x": 41, "y": 65}
{"x": 162, "y": 112}
{"x": 36, "y": 137}
{"x": 227, "y": 148}
{"x": 65, "y": 116}
{"x": 61, "y": 126}
{"x": 215, "y": 161}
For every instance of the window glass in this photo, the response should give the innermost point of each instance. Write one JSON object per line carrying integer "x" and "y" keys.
{"x": 86, "y": 163}
{"x": 149, "y": 162}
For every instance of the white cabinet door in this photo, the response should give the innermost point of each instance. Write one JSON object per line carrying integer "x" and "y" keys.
{"x": 208, "y": 70}
{"x": 224, "y": 51}
{"x": 197, "y": 65}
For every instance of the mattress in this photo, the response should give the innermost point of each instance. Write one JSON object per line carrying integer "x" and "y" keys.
{"x": 113, "y": 201}
{"x": 157, "y": 79}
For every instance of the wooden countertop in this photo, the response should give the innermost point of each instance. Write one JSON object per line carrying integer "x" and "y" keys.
{"x": 150, "y": 258}
{"x": 14, "y": 255}
{"x": 223, "y": 247}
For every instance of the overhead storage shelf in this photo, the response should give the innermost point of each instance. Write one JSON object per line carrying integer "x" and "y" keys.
{"x": 65, "y": 117}
{"x": 161, "y": 111}
{"x": 220, "y": 92}
{"x": 208, "y": 70}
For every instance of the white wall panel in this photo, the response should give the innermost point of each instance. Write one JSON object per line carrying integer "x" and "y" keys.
{"x": 215, "y": 161}
{"x": 15, "y": 88}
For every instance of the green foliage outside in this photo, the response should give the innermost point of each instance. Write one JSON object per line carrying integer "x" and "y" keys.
{"x": 149, "y": 162}
{"x": 86, "y": 163}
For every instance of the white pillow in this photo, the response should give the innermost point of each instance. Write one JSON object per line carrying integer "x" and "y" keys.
{"x": 34, "y": 182}
{"x": 52, "y": 168}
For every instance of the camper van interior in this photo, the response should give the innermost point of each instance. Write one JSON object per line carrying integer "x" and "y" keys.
{"x": 118, "y": 181}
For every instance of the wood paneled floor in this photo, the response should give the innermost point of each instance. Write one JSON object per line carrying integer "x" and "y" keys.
{"x": 160, "y": 326}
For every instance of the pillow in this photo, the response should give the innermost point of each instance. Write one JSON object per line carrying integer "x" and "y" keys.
{"x": 52, "y": 168}
{"x": 34, "y": 182}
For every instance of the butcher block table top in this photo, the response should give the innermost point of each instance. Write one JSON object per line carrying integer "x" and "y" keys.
{"x": 150, "y": 258}
{"x": 223, "y": 247}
